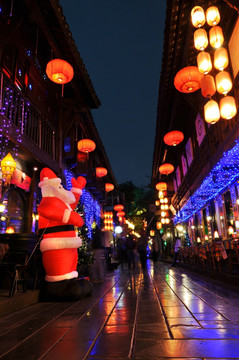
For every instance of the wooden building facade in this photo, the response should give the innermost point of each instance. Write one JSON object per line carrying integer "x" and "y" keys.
{"x": 39, "y": 126}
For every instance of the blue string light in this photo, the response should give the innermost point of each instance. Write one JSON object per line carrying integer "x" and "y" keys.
{"x": 225, "y": 173}
{"x": 92, "y": 209}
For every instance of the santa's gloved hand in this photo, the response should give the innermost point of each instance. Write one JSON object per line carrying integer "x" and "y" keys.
{"x": 78, "y": 183}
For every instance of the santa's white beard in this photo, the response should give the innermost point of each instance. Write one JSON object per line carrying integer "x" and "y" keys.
{"x": 59, "y": 192}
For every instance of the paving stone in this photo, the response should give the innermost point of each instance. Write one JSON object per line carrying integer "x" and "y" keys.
{"x": 218, "y": 349}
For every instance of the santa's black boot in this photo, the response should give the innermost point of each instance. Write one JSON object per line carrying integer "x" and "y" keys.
{"x": 66, "y": 290}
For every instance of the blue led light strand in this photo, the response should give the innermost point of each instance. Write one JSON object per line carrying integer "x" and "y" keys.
{"x": 225, "y": 173}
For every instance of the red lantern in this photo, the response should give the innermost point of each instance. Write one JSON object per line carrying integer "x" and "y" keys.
{"x": 120, "y": 213}
{"x": 100, "y": 172}
{"x": 118, "y": 207}
{"x": 188, "y": 79}
{"x": 161, "y": 186}
{"x": 166, "y": 169}
{"x": 81, "y": 156}
{"x": 109, "y": 187}
{"x": 173, "y": 138}
{"x": 59, "y": 71}
{"x": 86, "y": 145}
{"x": 208, "y": 87}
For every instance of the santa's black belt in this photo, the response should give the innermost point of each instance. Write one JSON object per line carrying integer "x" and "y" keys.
{"x": 55, "y": 229}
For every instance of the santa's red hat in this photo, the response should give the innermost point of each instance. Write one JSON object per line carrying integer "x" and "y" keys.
{"x": 48, "y": 177}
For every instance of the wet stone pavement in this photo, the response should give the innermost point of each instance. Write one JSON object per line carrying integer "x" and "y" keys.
{"x": 163, "y": 313}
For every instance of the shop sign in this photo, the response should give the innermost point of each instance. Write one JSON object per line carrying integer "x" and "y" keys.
{"x": 184, "y": 165}
{"x": 178, "y": 176}
{"x": 189, "y": 151}
{"x": 21, "y": 180}
{"x": 200, "y": 129}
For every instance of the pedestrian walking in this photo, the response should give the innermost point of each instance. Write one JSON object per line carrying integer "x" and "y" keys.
{"x": 130, "y": 248}
{"x": 177, "y": 246}
{"x": 142, "y": 249}
{"x": 155, "y": 250}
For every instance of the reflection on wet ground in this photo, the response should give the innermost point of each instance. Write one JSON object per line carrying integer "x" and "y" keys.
{"x": 161, "y": 313}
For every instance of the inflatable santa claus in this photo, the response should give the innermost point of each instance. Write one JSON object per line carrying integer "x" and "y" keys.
{"x": 60, "y": 241}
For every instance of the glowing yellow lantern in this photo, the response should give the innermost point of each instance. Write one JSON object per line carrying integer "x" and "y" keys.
{"x": 204, "y": 62}
{"x": 200, "y": 39}
{"x": 198, "y": 16}
{"x": 211, "y": 112}
{"x": 8, "y": 165}
{"x": 86, "y": 145}
{"x": 216, "y": 37}
{"x": 212, "y": 16}
{"x": 167, "y": 220}
{"x": 223, "y": 82}
{"x": 165, "y": 200}
{"x": 163, "y": 221}
{"x": 208, "y": 87}
{"x": 157, "y": 202}
{"x": 101, "y": 172}
{"x": 221, "y": 60}
{"x": 161, "y": 186}
{"x": 160, "y": 195}
{"x": 152, "y": 232}
{"x": 109, "y": 187}
{"x": 159, "y": 225}
{"x": 10, "y": 230}
{"x": 228, "y": 107}
{"x": 230, "y": 230}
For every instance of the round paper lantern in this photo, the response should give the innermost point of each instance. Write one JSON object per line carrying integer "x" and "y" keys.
{"x": 118, "y": 207}
{"x": 223, "y": 82}
{"x": 188, "y": 79}
{"x": 86, "y": 145}
{"x": 101, "y": 172}
{"x": 211, "y": 112}
{"x": 120, "y": 213}
{"x": 8, "y": 165}
{"x": 216, "y": 37}
{"x": 221, "y": 60}
{"x": 208, "y": 87}
{"x": 212, "y": 16}
{"x": 59, "y": 71}
{"x": 228, "y": 107}
{"x": 166, "y": 169}
{"x": 198, "y": 16}
{"x": 204, "y": 62}
{"x": 173, "y": 138}
{"x": 81, "y": 156}
{"x": 109, "y": 187}
{"x": 161, "y": 186}
{"x": 200, "y": 39}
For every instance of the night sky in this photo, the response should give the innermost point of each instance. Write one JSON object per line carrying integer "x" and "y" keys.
{"x": 121, "y": 44}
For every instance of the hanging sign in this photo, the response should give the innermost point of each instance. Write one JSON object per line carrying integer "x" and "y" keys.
{"x": 175, "y": 185}
{"x": 184, "y": 165}
{"x": 178, "y": 176}
{"x": 200, "y": 129}
{"x": 189, "y": 151}
{"x": 21, "y": 180}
